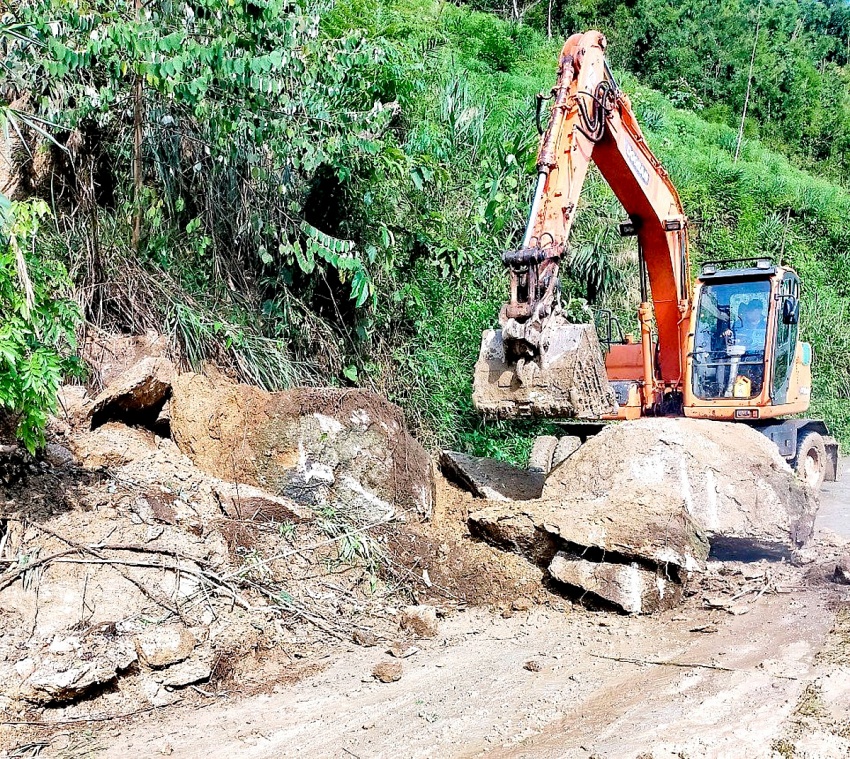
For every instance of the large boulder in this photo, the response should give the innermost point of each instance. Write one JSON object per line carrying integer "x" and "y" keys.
{"x": 643, "y": 503}
{"x": 727, "y": 478}
{"x": 345, "y": 449}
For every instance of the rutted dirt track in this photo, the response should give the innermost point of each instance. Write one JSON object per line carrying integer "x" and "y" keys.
{"x": 468, "y": 692}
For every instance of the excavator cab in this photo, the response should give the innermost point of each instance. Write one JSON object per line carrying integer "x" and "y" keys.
{"x": 730, "y": 339}
{"x": 745, "y": 361}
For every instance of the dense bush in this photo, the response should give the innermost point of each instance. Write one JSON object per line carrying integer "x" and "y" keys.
{"x": 325, "y": 195}
{"x": 37, "y": 322}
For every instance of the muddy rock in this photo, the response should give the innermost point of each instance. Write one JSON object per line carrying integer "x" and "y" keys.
{"x": 727, "y": 478}
{"x": 387, "y": 671}
{"x": 111, "y": 355}
{"x": 842, "y": 570}
{"x": 58, "y": 456}
{"x": 322, "y": 447}
{"x": 137, "y": 395}
{"x": 420, "y": 620}
{"x": 629, "y": 587}
{"x": 247, "y": 502}
{"x": 651, "y": 531}
{"x": 72, "y": 666}
{"x": 490, "y": 478}
{"x": 164, "y": 645}
{"x": 112, "y": 445}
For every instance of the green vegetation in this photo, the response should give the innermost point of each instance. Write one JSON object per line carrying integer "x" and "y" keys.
{"x": 313, "y": 192}
{"x": 38, "y": 322}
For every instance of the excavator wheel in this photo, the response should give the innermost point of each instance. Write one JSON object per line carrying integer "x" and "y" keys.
{"x": 542, "y": 451}
{"x": 810, "y": 461}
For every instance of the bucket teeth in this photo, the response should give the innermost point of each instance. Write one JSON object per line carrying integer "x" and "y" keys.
{"x": 566, "y": 380}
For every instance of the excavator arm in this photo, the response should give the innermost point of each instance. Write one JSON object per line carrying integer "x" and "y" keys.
{"x": 538, "y": 364}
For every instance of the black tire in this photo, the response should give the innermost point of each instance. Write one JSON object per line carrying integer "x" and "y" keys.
{"x": 810, "y": 461}
{"x": 540, "y": 459}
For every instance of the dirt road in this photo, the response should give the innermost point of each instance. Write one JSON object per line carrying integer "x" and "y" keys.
{"x": 834, "y": 512}
{"x": 468, "y": 693}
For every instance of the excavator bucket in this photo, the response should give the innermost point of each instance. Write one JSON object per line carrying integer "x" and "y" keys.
{"x": 566, "y": 380}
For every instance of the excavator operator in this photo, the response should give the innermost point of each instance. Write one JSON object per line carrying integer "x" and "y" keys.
{"x": 753, "y": 329}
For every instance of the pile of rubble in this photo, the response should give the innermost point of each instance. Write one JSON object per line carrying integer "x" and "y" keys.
{"x": 631, "y": 513}
{"x": 179, "y": 525}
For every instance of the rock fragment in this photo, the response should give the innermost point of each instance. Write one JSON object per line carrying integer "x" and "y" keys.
{"x": 71, "y": 668}
{"x": 240, "y": 501}
{"x": 364, "y": 638}
{"x": 490, "y": 478}
{"x": 186, "y": 673}
{"x": 387, "y": 671}
{"x": 138, "y": 394}
{"x": 420, "y": 620}
{"x": 629, "y": 587}
{"x": 113, "y": 445}
{"x": 841, "y": 574}
{"x": 164, "y": 645}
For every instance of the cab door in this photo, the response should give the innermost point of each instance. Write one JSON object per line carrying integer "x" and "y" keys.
{"x": 787, "y": 317}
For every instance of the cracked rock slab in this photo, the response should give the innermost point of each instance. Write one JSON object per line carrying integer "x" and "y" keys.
{"x": 490, "y": 478}
{"x": 631, "y": 588}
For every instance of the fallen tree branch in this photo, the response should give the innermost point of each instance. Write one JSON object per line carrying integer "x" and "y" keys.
{"x": 684, "y": 665}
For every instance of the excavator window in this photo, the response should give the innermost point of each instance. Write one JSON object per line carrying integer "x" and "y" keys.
{"x": 730, "y": 340}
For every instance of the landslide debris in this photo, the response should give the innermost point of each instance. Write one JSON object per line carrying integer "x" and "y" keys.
{"x": 135, "y": 565}
{"x": 638, "y": 507}
{"x": 319, "y": 446}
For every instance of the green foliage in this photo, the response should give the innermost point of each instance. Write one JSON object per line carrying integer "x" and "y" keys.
{"x": 37, "y": 321}
{"x": 326, "y": 189}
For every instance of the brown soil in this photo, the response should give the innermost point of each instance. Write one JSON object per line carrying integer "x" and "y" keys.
{"x": 461, "y": 569}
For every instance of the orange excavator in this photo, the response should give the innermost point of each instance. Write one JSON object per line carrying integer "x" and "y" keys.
{"x": 726, "y": 348}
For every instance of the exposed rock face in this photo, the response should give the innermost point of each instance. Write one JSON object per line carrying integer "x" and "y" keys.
{"x": 138, "y": 393}
{"x": 322, "y": 447}
{"x": 490, "y": 478}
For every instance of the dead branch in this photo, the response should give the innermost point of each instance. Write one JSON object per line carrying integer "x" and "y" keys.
{"x": 684, "y": 665}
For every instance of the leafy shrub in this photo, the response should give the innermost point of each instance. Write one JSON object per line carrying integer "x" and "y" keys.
{"x": 38, "y": 320}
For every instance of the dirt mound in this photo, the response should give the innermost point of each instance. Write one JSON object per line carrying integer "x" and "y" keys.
{"x": 347, "y": 450}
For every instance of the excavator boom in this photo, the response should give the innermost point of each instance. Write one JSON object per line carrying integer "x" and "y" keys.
{"x": 538, "y": 364}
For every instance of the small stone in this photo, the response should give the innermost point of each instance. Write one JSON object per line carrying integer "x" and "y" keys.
{"x": 842, "y": 570}
{"x": 387, "y": 671}
{"x": 533, "y": 666}
{"x": 522, "y": 604}
{"x": 402, "y": 652}
{"x": 364, "y": 638}
{"x": 420, "y": 620}
{"x": 58, "y": 456}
